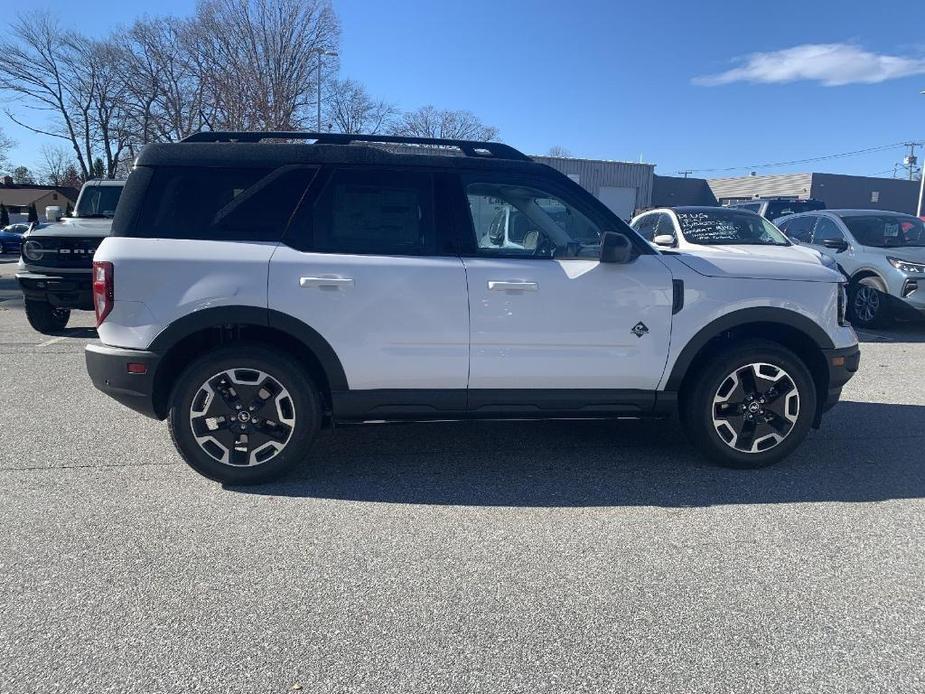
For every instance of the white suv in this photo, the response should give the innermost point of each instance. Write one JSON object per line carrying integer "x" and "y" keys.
{"x": 252, "y": 292}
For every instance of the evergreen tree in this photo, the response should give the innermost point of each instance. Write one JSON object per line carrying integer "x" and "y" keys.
{"x": 4, "y": 216}
{"x": 69, "y": 211}
{"x": 33, "y": 214}
{"x": 99, "y": 169}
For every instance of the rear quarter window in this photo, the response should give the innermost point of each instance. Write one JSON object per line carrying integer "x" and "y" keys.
{"x": 221, "y": 204}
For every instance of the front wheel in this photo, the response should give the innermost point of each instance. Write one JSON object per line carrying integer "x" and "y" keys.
{"x": 868, "y": 303}
{"x": 244, "y": 414}
{"x": 752, "y": 406}
{"x": 45, "y": 318}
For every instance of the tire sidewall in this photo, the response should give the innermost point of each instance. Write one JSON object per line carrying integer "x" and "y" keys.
{"x": 280, "y": 366}
{"x": 41, "y": 316}
{"x": 699, "y": 419}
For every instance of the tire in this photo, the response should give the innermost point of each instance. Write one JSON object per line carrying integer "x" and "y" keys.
{"x": 868, "y": 303}
{"x": 45, "y": 318}
{"x": 723, "y": 388}
{"x": 275, "y": 436}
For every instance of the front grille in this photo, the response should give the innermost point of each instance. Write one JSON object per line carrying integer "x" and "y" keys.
{"x": 63, "y": 252}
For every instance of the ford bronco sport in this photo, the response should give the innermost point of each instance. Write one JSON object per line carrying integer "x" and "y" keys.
{"x": 252, "y": 292}
{"x": 55, "y": 264}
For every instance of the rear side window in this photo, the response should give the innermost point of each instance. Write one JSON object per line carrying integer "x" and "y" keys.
{"x": 221, "y": 204}
{"x": 375, "y": 213}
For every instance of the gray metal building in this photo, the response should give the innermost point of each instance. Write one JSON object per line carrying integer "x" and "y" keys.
{"x": 623, "y": 186}
{"x": 835, "y": 190}
{"x": 673, "y": 191}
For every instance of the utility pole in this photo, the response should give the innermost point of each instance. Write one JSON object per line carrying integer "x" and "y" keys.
{"x": 910, "y": 160}
{"x": 321, "y": 53}
{"x": 686, "y": 173}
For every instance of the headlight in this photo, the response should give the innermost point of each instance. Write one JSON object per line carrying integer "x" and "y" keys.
{"x": 33, "y": 250}
{"x": 907, "y": 266}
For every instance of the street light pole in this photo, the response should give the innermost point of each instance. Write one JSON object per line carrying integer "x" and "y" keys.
{"x": 919, "y": 210}
{"x": 321, "y": 53}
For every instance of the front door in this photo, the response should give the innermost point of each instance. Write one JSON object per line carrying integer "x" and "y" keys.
{"x": 544, "y": 312}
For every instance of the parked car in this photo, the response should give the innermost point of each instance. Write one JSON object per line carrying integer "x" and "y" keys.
{"x": 710, "y": 230}
{"x": 881, "y": 253}
{"x": 251, "y": 293}
{"x": 773, "y": 208}
{"x": 11, "y": 238}
{"x": 56, "y": 263}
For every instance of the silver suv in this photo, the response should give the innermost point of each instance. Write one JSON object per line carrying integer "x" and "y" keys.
{"x": 881, "y": 253}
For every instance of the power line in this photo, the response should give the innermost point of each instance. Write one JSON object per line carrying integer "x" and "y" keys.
{"x": 879, "y": 148}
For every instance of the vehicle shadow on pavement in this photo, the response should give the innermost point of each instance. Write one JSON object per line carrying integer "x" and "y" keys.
{"x": 909, "y": 331}
{"x": 864, "y": 452}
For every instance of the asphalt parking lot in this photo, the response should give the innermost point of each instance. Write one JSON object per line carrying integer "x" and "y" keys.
{"x": 511, "y": 557}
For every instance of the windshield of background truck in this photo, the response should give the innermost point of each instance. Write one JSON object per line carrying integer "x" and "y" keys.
{"x": 98, "y": 201}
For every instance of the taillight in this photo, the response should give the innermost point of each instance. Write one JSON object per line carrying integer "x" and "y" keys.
{"x": 102, "y": 289}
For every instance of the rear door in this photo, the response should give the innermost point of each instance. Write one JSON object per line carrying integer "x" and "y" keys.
{"x": 361, "y": 265}
{"x": 550, "y": 315}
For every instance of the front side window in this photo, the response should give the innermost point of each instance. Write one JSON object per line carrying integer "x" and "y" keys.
{"x": 521, "y": 220}
{"x": 886, "y": 230}
{"x": 221, "y": 204}
{"x": 729, "y": 227}
{"x": 800, "y": 229}
{"x": 665, "y": 225}
{"x": 826, "y": 230}
{"x": 375, "y": 213}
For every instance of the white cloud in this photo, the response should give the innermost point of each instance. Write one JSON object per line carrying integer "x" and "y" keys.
{"x": 832, "y": 64}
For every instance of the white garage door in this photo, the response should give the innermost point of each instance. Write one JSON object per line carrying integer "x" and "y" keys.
{"x": 621, "y": 200}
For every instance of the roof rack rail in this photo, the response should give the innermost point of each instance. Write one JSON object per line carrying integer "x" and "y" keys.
{"x": 471, "y": 148}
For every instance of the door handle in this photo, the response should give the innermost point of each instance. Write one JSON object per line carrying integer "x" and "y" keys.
{"x": 307, "y": 282}
{"x": 499, "y": 286}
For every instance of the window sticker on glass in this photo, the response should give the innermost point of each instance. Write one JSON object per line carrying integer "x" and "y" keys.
{"x": 891, "y": 230}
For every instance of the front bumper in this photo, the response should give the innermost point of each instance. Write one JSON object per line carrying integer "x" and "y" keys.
{"x": 72, "y": 290}
{"x": 842, "y": 364}
{"x": 109, "y": 370}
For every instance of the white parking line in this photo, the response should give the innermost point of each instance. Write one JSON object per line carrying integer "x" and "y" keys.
{"x": 51, "y": 341}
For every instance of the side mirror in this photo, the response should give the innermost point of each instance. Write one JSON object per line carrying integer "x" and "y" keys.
{"x": 837, "y": 245}
{"x": 666, "y": 240}
{"x": 616, "y": 248}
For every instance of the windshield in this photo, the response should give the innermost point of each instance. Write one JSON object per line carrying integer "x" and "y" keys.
{"x": 98, "y": 201}
{"x": 729, "y": 227}
{"x": 886, "y": 230}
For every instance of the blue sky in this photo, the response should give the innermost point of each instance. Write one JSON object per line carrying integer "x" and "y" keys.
{"x": 619, "y": 80}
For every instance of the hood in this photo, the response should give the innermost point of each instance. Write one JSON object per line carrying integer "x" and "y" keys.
{"x": 75, "y": 226}
{"x": 760, "y": 262}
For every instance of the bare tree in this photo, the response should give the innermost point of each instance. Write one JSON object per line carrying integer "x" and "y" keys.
{"x": 258, "y": 59}
{"x": 350, "y": 109}
{"x": 428, "y": 121}
{"x": 558, "y": 151}
{"x": 6, "y": 144}
{"x": 54, "y": 166}
{"x": 40, "y": 65}
{"x": 164, "y": 95}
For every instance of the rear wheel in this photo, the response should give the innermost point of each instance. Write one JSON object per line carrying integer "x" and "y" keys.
{"x": 244, "y": 414}
{"x": 752, "y": 406}
{"x": 868, "y": 302}
{"x": 45, "y": 318}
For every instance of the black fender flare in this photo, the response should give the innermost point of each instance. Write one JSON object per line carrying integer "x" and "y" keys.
{"x": 254, "y": 315}
{"x": 745, "y": 316}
